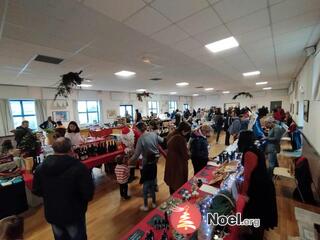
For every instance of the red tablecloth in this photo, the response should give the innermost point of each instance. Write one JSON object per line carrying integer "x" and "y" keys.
{"x": 90, "y": 163}
{"x": 206, "y": 173}
{"x": 104, "y": 132}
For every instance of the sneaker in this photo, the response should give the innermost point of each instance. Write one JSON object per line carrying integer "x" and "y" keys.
{"x": 153, "y": 205}
{"x": 144, "y": 208}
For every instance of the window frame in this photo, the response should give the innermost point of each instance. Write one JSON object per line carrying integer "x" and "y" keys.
{"x": 184, "y": 106}
{"x": 87, "y": 112}
{"x": 152, "y": 109}
{"x": 171, "y": 109}
{"x": 22, "y": 115}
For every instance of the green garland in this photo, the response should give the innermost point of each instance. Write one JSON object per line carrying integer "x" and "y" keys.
{"x": 245, "y": 94}
{"x": 143, "y": 95}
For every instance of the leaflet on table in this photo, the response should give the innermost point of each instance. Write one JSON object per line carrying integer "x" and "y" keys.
{"x": 209, "y": 189}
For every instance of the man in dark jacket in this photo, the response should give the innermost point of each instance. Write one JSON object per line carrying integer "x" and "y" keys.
{"x": 199, "y": 147}
{"x": 21, "y": 131}
{"x": 66, "y": 186}
{"x": 49, "y": 124}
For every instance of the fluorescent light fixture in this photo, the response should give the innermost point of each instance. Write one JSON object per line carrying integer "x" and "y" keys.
{"x": 226, "y": 92}
{"x": 267, "y": 88}
{"x": 222, "y": 45}
{"x": 182, "y": 84}
{"x": 261, "y": 83}
{"x": 173, "y": 93}
{"x": 209, "y": 89}
{"x": 141, "y": 90}
{"x": 124, "y": 73}
{"x": 195, "y": 94}
{"x": 253, "y": 73}
{"x": 88, "y": 80}
{"x": 85, "y": 85}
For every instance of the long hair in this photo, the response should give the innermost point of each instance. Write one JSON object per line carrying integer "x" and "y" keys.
{"x": 77, "y": 127}
{"x": 246, "y": 140}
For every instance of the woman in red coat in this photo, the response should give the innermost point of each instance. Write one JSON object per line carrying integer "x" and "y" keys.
{"x": 176, "y": 169}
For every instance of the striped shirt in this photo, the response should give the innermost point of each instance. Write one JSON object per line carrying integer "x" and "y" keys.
{"x": 122, "y": 173}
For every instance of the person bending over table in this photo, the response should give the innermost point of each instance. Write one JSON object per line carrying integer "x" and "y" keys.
{"x": 199, "y": 147}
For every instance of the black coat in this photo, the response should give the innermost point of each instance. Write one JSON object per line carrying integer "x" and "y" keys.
{"x": 262, "y": 202}
{"x": 199, "y": 147}
{"x": 66, "y": 186}
{"x": 45, "y": 124}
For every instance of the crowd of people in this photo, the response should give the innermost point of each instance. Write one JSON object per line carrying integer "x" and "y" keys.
{"x": 66, "y": 185}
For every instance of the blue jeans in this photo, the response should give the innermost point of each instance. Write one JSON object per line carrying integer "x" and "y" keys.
{"x": 75, "y": 231}
{"x": 149, "y": 187}
{"x": 273, "y": 162}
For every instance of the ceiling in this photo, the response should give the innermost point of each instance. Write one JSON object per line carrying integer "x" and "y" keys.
{"x": 102, "y": 37}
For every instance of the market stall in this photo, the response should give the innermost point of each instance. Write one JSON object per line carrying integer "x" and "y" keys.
{"x": 223, "y": 174}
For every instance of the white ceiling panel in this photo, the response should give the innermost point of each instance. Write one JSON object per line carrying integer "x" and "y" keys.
{"x": 147, "y": 21}
{"x": 292, "y": 8}
{"x": 118, "y": 10}
{"x": 170, "y": 35}
{"x": 301, "y": 35}
{"x": 179, "y": 9}
{"x": 273, "y": 2}
{"x": 296, "y": 23}
{"x": 249, "y": 23}
{"x": 200, "y": 22}
{"x": 232, "y": 9}
{"x": 213, "y": 35}
{"x": 187, "y": 44}
{"x": 240, "y": 61}
{"x": 254, "y": 36}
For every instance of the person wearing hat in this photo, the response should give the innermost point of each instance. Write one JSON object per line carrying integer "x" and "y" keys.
{"x": 273, "y": 143}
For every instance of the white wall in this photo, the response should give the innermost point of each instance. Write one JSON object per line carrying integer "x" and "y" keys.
{"x": 109, "y": 100}
{"x": 261, "y": 98}
{"x": 305, "y": 89}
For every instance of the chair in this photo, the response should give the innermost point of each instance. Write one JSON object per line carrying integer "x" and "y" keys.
{"x": 288, "y": 173}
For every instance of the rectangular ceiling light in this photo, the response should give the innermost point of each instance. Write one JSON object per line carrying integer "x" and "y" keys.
{"x": 267, "y": 88}
{"x": 222, "y": 45}
{"x": 195, "y": 94}
{"x": 141, "y": 90}
{"x": 173, "y": 93}
{"x": 124, "y": 73}
{"x": 226, "y": 92}
{"x": 182, "y": 84}
{"x": 85, "y": 85}
{"x": 253, "y": 73}
{"x": 209, "y": 89}
{"x": 261, "y": 83}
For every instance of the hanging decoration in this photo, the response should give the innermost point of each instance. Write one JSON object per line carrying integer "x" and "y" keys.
{"x": 143, "y": 95}
{"x": 245, "y": 94}
{"x": 68, "y": 82}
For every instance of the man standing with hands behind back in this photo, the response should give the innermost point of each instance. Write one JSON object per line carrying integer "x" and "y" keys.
{"x": 66, "y": 186}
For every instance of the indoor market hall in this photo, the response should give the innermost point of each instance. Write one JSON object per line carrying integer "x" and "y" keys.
{"x": 159, "y": 119}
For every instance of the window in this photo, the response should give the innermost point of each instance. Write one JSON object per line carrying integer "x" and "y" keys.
{"x": 153, "y": 106}
{"x": 24, "y": 110}
{"x": 128, "y": 108}
{"x": 186, "y": 106}
{"x": 172, "y": 106}
{"x": 88, "y": 112}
